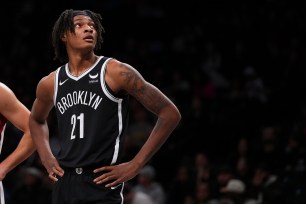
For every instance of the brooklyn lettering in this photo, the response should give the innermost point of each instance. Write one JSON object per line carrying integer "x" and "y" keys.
{"x": 79, "y": 97}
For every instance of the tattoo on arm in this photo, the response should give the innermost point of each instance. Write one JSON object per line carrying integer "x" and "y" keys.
{"x": 132, "y": 79}
{"x": 145, "y": 93}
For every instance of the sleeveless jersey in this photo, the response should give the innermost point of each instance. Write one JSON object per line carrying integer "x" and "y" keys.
{"x": 92, "y": 120}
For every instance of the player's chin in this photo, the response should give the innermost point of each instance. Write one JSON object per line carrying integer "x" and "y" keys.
{"x": 87, "y": 47}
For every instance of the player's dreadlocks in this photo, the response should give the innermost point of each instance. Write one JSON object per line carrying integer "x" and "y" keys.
{"x": 65, "y": 23}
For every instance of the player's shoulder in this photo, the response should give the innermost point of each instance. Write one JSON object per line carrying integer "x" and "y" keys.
{"x": 4, "y": 89}
{"x": 7, "y": 96}
{"x": 47, "y": 81}
{"x": 111, "y": 61}
{"x": 3, "y": 86}
{"x": 116, "y": 66}
{"x": 45, "y": 87}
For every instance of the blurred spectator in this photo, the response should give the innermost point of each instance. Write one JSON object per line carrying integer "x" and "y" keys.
{"x": 202, "y": 167}
{"x": 241, "y": 159}
{"x": 203, "y": 194}
{"x": 146, "y": 183}
{"x": 32, "y": 188}
{"x": 270, "y": 149}
{"x": 295, "y": 168}
{"x": 182, "y": 187}
{"x": 254, "y": 85}
{"x": 132, "y": 197}
{"x": 266, "y": 188}
{"x": 223, "y": 175}
{"x": 234, "y": 191}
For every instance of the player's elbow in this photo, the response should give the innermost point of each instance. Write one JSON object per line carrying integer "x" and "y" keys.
{"x": 33, "y": 119}
{"x": 175, "y": 115}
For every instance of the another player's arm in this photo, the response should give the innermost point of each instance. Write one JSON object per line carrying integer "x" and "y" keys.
{"x": 130, "y": 80}
{"x": 18, "y": 115}
{"x": 39, "y": 126}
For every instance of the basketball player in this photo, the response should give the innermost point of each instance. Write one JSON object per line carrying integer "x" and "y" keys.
{"x": 90, "y": 94}
{"x": 12, "y": 110}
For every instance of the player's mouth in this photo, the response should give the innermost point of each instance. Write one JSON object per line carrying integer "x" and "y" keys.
{"x": 89, "y": 38}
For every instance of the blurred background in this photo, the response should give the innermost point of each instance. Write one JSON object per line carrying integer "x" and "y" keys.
{"x": 235, "y": 69}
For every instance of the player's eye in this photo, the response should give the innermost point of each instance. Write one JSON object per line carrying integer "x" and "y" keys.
{"x": 92, "y": 26}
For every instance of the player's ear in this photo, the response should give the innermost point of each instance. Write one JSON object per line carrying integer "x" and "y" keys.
{"x": 64, "y": 37}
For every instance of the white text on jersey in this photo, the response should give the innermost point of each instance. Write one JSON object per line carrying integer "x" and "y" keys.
{"x": 79, "y": 97}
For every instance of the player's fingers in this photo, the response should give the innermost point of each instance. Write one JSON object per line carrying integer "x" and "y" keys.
{"x": 114, "y": 184}
{"x": 104, "y": 168}
{"x": 58, "y": 171}
{"x": 53, "y": 176}
{"x": 101, "y": 177}
{"x": 105, "y": 178}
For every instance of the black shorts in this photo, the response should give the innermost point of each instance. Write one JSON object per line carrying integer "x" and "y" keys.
{"x": 78, "y": 188}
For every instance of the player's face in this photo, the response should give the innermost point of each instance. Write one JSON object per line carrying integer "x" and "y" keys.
{"x": 85, "y": 36}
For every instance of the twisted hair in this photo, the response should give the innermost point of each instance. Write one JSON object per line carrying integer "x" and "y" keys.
{"x": 65, "y": 23}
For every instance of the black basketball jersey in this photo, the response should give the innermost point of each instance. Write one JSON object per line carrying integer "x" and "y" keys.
{"x": 91, "y": 119}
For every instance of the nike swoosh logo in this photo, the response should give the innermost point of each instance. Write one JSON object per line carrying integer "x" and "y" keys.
{"x": 62, "y": 82}
{"x": 93, "y": 76}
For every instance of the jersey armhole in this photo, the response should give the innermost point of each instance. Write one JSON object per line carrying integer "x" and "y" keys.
{"x": 105, "y": 88}
{"x": 56, "y": 85}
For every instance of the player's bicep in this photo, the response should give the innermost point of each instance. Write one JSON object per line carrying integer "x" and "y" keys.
{"x": 144, "y": 92}
{"x": 124, "y": 77}
{"x": 150, "y": 97}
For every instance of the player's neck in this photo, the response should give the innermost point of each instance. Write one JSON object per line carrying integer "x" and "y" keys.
{"x": 79, "y": 65}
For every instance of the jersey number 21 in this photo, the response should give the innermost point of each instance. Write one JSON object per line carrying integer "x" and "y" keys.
{"x": 77, "y": 120}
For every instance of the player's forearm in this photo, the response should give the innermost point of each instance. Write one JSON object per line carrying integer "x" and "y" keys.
{"x": 24, "y": 149}
{"x": 40, "y": 136}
